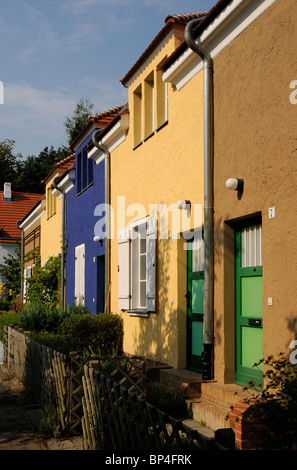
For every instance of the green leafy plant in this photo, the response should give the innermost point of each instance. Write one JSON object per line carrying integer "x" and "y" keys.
{"x": 11, "y": 271}
{"x": 37, "y": 316}
{"x": 275, "y": 406}
{"x": 8, "y": 318}
{"x": 102, "y": 331}
{"x": 166, "y": 398}
{"x": 44, "y": 285}
{"x": 50, "y": 425}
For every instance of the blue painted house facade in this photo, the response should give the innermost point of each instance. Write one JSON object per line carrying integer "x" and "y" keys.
{"x": 85, "y": 258}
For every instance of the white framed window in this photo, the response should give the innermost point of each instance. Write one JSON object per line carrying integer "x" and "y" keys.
{"x": 79, "y": 288}
{"x": 137, "y": 267}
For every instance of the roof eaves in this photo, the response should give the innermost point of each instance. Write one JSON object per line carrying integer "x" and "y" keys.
{"x": 209, "y": 18}
{"x": 171, "y": 22}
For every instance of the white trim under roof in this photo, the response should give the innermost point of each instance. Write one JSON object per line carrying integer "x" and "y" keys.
{"x": 231, "y": 22}
{"x": 85, "y": 134}
{"x": 114, "y": 137}
{"x": 66, "y": 183}
{"x": 33, "y": 217}
{"x": 156, "y": 50}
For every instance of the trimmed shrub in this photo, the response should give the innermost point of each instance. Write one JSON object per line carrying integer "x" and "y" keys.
{"x": 8, "y": 318}
{"x": 38, "y": 316}
{"x": 102, "y": 333}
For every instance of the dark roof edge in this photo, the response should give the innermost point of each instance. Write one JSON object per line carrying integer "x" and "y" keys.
{"x": 209, "y": 18}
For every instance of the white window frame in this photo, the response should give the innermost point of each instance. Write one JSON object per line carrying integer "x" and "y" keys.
{"x": 137, "y": 267}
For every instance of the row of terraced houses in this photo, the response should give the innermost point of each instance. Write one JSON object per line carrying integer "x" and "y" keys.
{"x": 178, "y": 207}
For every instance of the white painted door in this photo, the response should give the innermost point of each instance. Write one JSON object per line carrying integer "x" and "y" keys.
{"x": 80, "y": 274}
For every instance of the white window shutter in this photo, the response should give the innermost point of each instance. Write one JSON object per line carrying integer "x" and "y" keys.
{"x": 151, "y": 264}
{"x": 25, "y": 283}
{"x": 80, "y": 274}
{"x": 124, "y": 269}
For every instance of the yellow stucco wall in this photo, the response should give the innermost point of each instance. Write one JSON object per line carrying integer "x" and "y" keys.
{"x": 51, "y": 228}
{"x": 259, "y": 148}
{"x": 163, "y": 169}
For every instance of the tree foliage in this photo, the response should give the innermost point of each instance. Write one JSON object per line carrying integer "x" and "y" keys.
{"x": 79, "y": 119}
{"x": 8, "y": 162}
{"x": 44, "y": 285}
{"x": 11, "y": 271}
{"x": 25, "y": 175}
{"x": 34, "y": 169}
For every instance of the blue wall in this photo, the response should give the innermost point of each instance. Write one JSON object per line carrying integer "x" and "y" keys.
{"x": 80, "y": 222}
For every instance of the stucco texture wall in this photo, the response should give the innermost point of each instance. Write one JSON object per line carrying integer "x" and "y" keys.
{"x": 255, "y": 139}
{"x": 29, "y": 244}
{"x": 80, "y": 223}
{"x": 164, "y": 169}
{"x": 51, "y": 229}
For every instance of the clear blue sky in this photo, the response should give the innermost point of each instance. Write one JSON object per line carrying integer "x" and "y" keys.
{"x": 54, "y": 52}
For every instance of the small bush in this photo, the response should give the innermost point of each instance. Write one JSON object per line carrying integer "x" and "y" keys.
{"x": 38, "y": 316}
{"x": 8, "y": 318}
{"x": 102, "y": 332}
{"x": 276, "y": 405}
{"x": 51, "y": 340}
{"x": 50, "y": 425}
{"x": 166, "y": 398}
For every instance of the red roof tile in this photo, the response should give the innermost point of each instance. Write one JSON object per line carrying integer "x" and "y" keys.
{"x": 60, "y": 167}
{"x": 11, "y": 212}
{"x": 100, "y": 120}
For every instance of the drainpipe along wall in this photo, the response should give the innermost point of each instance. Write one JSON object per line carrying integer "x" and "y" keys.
{"x": 208, "y": 198}
{"x": 104, "y": 149}
{"x": 63, "y": 241}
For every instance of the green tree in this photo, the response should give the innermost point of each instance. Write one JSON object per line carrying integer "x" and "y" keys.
{"x": 8, "y": 162}
{"x": 33, "y": 170}
{"x": 12, "y": 271}
{"x": 44, "y": 285}
{"x": 79, "y": 119}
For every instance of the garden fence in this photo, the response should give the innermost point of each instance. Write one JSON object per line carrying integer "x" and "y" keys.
{"x": 103, "y": 399}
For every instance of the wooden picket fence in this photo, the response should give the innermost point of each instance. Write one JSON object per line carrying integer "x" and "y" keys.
{"x": 43, "y": 371}
{"x": 102, "y": 399}
{"x": 117, "y": 419}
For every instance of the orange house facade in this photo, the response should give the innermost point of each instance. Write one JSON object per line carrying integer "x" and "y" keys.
{"x": 251, "y": 45}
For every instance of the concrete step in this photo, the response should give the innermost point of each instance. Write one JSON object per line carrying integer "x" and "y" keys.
{"x": 208, "y": 402}
{"x": 225, "y": 395}
{"x": 215, "y": 402}
{"x": 208, "y": 414}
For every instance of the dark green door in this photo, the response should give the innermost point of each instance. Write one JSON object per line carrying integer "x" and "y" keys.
{"x": 248, "y": 304}
{"x": 195, "y": 294}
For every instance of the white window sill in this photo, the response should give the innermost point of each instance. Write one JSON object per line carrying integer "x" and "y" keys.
{"x": 139, "y": 312}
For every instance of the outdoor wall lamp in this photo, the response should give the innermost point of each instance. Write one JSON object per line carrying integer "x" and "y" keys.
{"x": 183, "y": 204}
{"x": 235, "y": 184}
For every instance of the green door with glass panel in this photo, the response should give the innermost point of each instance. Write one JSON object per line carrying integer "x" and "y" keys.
{"x": 248, "y": 304}
{"x": 195, "y": 314}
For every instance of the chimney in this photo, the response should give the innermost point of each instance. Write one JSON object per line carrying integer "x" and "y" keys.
{"x": 7, "y": 192}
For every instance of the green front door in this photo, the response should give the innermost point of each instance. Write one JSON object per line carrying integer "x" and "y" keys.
{"x": 195, "y": 294}
{"x": 248, "y": 304}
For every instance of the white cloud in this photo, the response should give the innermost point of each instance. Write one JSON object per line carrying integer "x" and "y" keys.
{"x": 33, "y": 110}
{"x": 37, "y": 116}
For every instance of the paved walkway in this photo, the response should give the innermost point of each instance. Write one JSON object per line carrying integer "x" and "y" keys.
{"x": 19, "y": 416}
